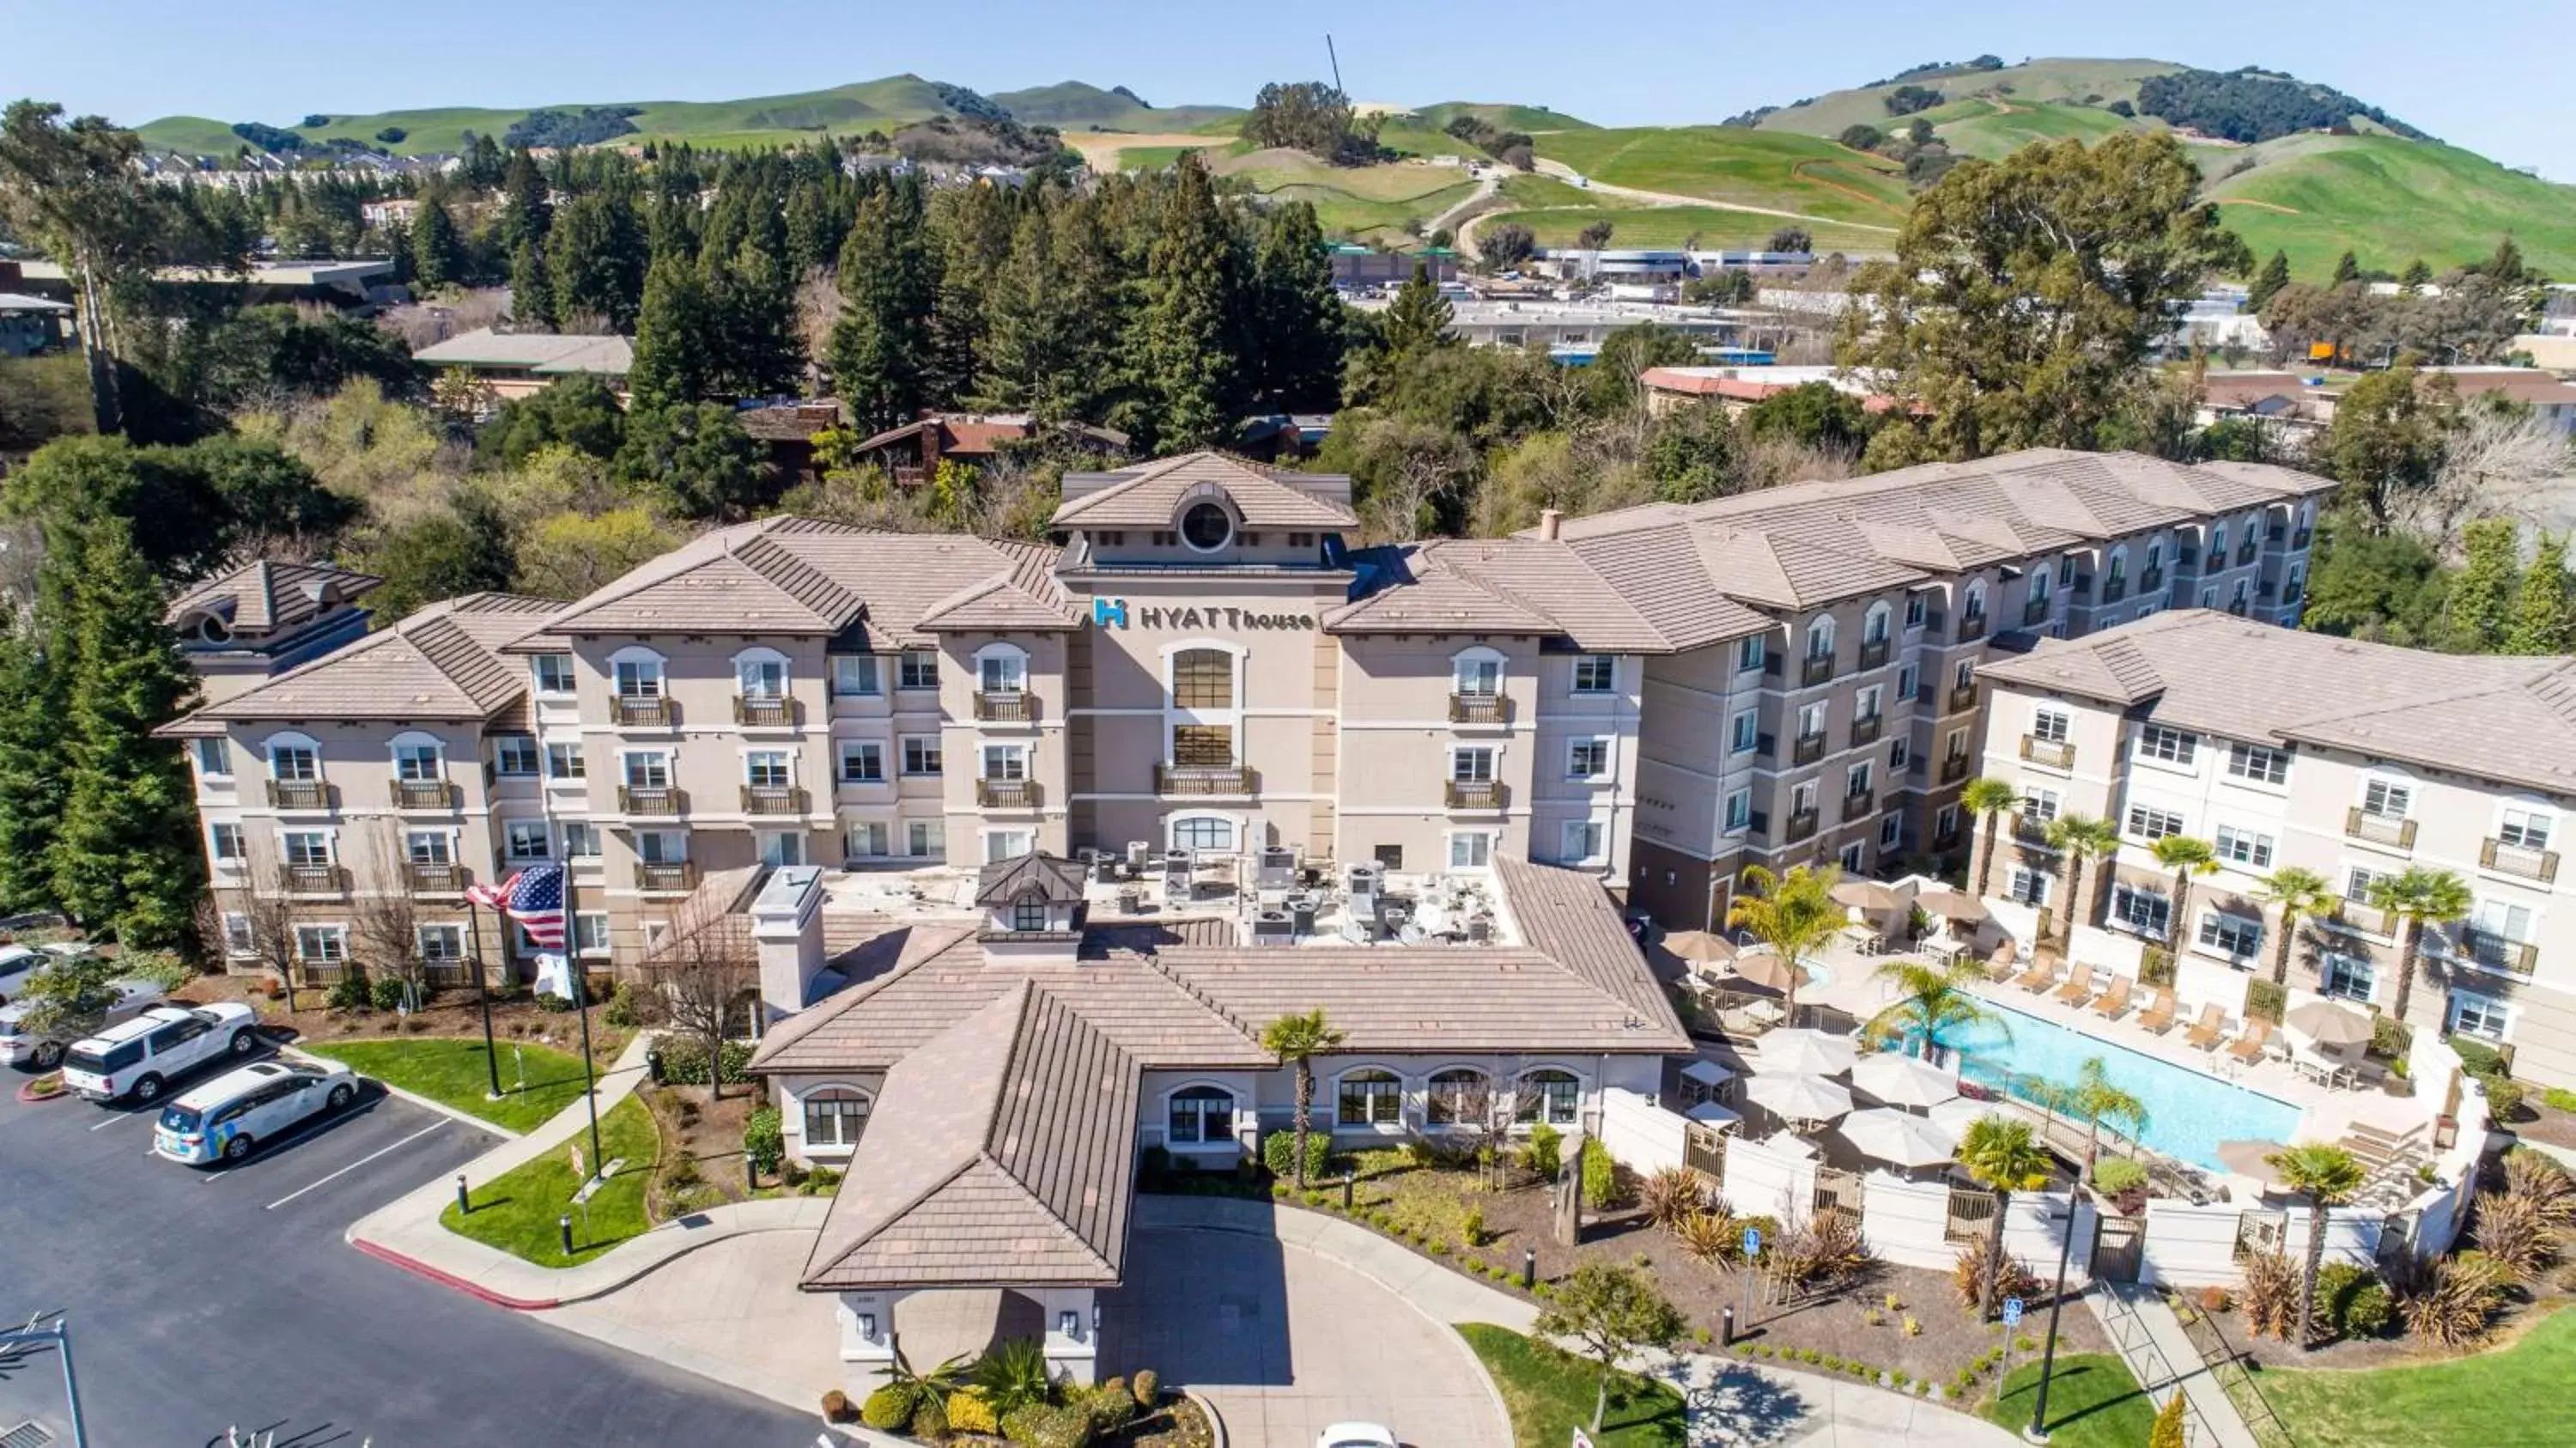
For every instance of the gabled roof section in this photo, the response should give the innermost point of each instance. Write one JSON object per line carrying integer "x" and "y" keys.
{"x": 444, "y": 662}
{"x": 1055, "y": 881}
{"x": 1150, "y": 496}
{"x": 734, "y": 576}
{"x": 263, "y": 596}
{"x": 1529, "y": 586}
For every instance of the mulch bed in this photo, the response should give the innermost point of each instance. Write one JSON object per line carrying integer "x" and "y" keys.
{"x": 2540, "y": 1123}
{"x": 2522, "y": 1307}
{"x": 708, "y": 1133}
{"x": 455, "y": 1013}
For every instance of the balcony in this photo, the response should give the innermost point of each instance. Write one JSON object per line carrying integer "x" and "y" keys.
{"x": 2029, "y": 829}
{"x": 772, "y": 799}
{"x": 643, "y": 711}
{"x": 2522, "y": 860}
{"x": 1815, "y": 669}
{"x": 1874, "y": 652}
{"x": 1802, "y": 825}
{"x": 434, "y": 879}
{"x": 1480, "y": 709}
{"x": 1972, "y": 627}
{"x": 1006, "y": 706}
{"x": 669, "y": 876}
{"x": 2187, "y": 558}
{"x": 1476, "y": 794}
{"x": 1954, "y": 769}
{"x": 2302, "y": 538}
{"x": 763, "y": 712}
{"x": 2035, "y": 611}
{"x": 2248, "y": 551}
{"x": 657, "y": 800}
{"x": 2051, "y": 753}
{"x": 313, "y": 879}
{"x": 1865, "y": 729}
{"x": 2152, "y": 578}
{"x": 1006, "y": 794}
{"x": 1807, "y": 749}
{"x": 1961, "y": 696}
{"x": 2368, "y": 919}
{"x": 1189, "y": 780}
{"x": 1859, "y": 806}
{"x": 2492, "y": 951}
{"x": 2114, "y": 588}
{"x": 435, "y": 794}
{"x": 2379, "y": 829}
{"x": 299, "y": 794}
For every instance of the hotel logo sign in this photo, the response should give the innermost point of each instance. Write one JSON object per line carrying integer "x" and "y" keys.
{"x": 1114, "y": 613}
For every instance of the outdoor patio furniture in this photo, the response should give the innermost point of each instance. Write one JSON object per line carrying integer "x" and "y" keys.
{"x": 1797, "y": 1096}
{"x": 1806, "y": 1052}
{"x": 2041, "y": 975}
{"x": 2006, "y": 959}
{"x": 2324, "y": 1073}
{"x": 1886, "y": 1134}
{"x": 2110, "y": 1003}
{"x": 2209, "y": 1030}
{"x": 2078, "y": 988}
{"x": 1900, "y": 1080}
{"x": 2159, "y": 1014}
{"x": 2254, "y": 1044}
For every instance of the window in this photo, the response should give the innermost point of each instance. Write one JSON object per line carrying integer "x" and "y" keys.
{"x": 862, "y": 761}
{"x": 2149, "y": 823}
{"x": 1471, "y": 850}
{"x": 427, "y": 847}
{"x": 2244, "y": 847}
{"x": 564, "y": 761}
{"x": 1582, "y": 842}
{"x": 1000, "y": 845}
{"x": 1596, "y": 673}
{"x": 525, "y": 840}
{"x": 1751, "y": 653}
{"x": 1203, "y": 746}
{"x": 1472, "y": 764}
{"x": 1203, "y": 679}
{"x": 661, "y": 847}
{"x": 1900, "y": 753}
{"x": 855, "y": 676}
{"x": 2217, "y": 544}
{"x": 294, "y": 762}
{"x": 1002, "y": 673}
{"x": 1975, "y": 607}
{"x": 866, "y": 840}
{"x": 590, "y": 932}
{"x": 2026, "y": 885}
{"x": 554, "y": 673}
{"x": 1964, "y": 675}
{"x": 2048, "y": 724}
{"x": 921, "y": 754}
{"x": 1857, "y": 781}
{"x": 765, "y": 769}
{"x": 2258, "y": 763}
{"x": 442, "y": 942}
{"x": 1204, "y": 834}
{"x": 1854, "y": 859}
{"x": 1457, "y": 1097}
{"x": 760, "y": 678}
{"x": 2144, "y": 912}
{"x": 1891, "y": 831}
{"x": 1200, "y": 1116}
{"x": 1865, "y": 704}
{"x": 1802, "y": 797}
{"x": 2172, "y": 746}
{"x": 2496, "y": 931}
{"x": 1587, "y": 759}
{"x": 238, "y": 939}
{"x": 1207, "y": 526}
{"x": 306, "y": 848}
{"x": 1913, "y": 612}
{"x": 580, "y": 840}
{"x": 1029, "y": 915}
{"x": 1954, "y": 745}
{"x": 2386, "y": 799}
{"x": 1739, "y": 810}
{"x": 2481, "y": 1016}
{"x": 2237, "y": 937}
{"x": 515, "y": 755}
{"x": 1006, "y": 761}
{"x": 1477, "y": 675}
{"x": 920, "y": 670}
{"x": 226, "y": 845}
{"x": 2357, "y": 883}
{"x": 1909, "y": 682}
{"x": 2524, "y": 829}
{"x": 1945, "y": 822}
{"x": 2040, "y": 583}
{"x": 648, "y": 769}
{"x": 2039, "y": 806}
{"x": 1550, "y": 1096}
{"x": 1820, "y": 639}
{"x": 835, "y": 1116}
{"x": 322, "y": 943}
{"x": 1873, "y": 626}
{"x": 214, "y": 761}
{"x": 925, "y": 839}
{"x": 1811, "y": 721}
{"x": 1746, "y": 733}
{"x": 1369, "y": 1098}
{"x": 781, "y": 849}
{"x": 638, "y": 678}
{"x": 2348, "y": 976}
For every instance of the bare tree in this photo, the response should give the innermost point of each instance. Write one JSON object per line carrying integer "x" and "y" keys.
{"x": 2497, "y": 463}
{"x": 264, "y": 908}
{"x": 387, "y": 915}
{"x": 700, "y": 973}
{"x": 818, "y": 309}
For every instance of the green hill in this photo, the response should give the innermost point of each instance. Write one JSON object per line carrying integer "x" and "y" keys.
{"x": 1532, "y": 119}
{"x": 1078, "y": 106}
{"x": 2389, "y": 201}
{"x": 1996, "y": 128}
{"x": 2055, "y": 80}
{"x": 1771, "y": 169}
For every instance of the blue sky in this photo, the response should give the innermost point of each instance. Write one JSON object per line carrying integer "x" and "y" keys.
{"x": 2487, "y": 74}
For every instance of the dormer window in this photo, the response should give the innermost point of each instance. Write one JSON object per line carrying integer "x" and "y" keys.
{"x": 212, "y": 630}
{"x": 1029, "y": 914}
{"x": 1207, "y": 526}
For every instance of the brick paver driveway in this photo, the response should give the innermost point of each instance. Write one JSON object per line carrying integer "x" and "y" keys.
{"x": 1284, "y": 1341}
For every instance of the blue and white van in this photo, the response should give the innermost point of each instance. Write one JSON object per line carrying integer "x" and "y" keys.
{"x": 227, "y": 1118}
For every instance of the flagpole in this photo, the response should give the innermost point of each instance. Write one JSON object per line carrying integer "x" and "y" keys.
{"x": 483, "y": 991}
{"x": 581, "y": 1004}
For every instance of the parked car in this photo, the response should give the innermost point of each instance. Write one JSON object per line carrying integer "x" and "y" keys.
{"x": 227, "y": 1118}
{"x": 43, "y": 1050}
{"x": 17, "y": 962}
{"x": 1356, "y": 1435}
{"x": 143, "y": 1056}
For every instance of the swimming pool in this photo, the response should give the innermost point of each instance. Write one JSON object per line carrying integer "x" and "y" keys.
{"x": 2188, "y": 1114}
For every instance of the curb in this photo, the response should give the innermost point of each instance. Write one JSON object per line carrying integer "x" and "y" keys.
{"x": 63, "y": 1093}
{"x": 448, "y": 1279}
{"x": 1216, "y": 1424}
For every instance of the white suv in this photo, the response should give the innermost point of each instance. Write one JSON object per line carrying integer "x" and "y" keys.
{"x": 143, "y": 1056}
{"x": 43, "y": 1050}
{"x": 17, "y": 963}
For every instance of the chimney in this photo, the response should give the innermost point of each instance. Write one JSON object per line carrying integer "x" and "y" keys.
{"x": 1551, "y": 522}
{"x": 787, "y": 924}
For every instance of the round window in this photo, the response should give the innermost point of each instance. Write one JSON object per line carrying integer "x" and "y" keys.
{"x": 1207, "y": 526}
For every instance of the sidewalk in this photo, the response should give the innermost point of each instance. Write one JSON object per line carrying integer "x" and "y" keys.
{"x": 2151, "y": 1340}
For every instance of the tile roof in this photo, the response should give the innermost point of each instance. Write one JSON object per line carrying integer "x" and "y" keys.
{"x": 1151, "y": 494}
{"x": 2502, "y": 718}
{"x": 443, "y": 662}
{"x": 1055, "y": 881}
{"x": 263, "y": 597}
{"x": 1520, "y": 585}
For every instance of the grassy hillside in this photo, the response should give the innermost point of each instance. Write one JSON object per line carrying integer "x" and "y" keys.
{"x": 1079, "y": 106}
{"x": 1671, "y": 227}
{"x": 2036, "y": 80}
{"x": 1365, "y": 203}
{"x": 1509, "y": 117}
{"x": 1733, "y": 163}
{"x": 2389, "y": 201}
{"x": 1995, "y": 129}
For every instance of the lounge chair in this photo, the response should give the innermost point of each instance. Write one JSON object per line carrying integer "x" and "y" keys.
{"x": 2209, "y": 1030}
{"x": 2159, "y": 1015}
{"x": 2078, "y": 988}
{"x": 2001, "y": 967}
{"x": 2110, "y": 1003}
{"x": 2041, "y": 975}
{"x": 2250, "y": 1047}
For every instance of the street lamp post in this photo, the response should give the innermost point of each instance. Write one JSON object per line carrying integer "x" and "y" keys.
{"x": 2037, "y": 1432}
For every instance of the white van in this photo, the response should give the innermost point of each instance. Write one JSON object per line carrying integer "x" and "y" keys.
{"x": 143, "y": 1056}
{"x": 43, "y": 1051}
{"x": 225, "y": 1119}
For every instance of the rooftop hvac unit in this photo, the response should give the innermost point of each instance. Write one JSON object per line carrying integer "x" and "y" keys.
{"x": 1301, "y": 914}
{"x": 1277, "y": 869}
{"x": 1138, "y": 851}
{"x": 1273, "y": 927}
{"x": 1176, "y": 876}
{"x": 1104, "y": 869}
{"x": 1480, "y": 930}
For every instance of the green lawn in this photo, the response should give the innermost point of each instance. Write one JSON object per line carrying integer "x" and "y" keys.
{"x": 2511, "y": 1396}
{"x": 1670, "y": 226}
{"x": 517, "y": 1210}
{"x": 1549, "y": 1394}
{"x": 1747, "y": 167}
{"x": 2388, "y": 201}
{"x": 450, "y": 1070}
{"x": 2093, "y": 1402}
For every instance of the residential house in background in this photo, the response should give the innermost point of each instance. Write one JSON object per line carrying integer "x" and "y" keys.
{"x": 911, "y": 453}
{"x": 516, "y": 364}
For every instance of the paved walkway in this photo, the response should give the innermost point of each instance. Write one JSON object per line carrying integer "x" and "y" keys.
{"x": 2151, "y": 1339}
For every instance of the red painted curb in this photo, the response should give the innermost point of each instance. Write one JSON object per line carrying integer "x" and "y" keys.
{"x": 26, "y": 1093}
{"x": 449, "y": 1279}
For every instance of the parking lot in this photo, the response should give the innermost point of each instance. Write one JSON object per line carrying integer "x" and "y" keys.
{"x": 205, "y": 1299}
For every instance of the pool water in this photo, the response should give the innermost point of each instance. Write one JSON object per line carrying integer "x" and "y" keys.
{"x": 2188, "y": 1113}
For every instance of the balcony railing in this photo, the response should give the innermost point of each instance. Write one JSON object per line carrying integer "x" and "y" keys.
{"x": 1006, "y": 706}
{"x": 1962, "y": 696}
{"x": 2151, "y": 578}
{"x": 2493, "y": 951}
{"x": 2379, "y": 829}
{"x": 299, "y": 794}
{"x": 1807, "y": 749}
{"x": 1477, "y": 794}
{"x": 313, "y": 879}
{"x": 2114, "y": 588}
{"x": 2035, "y": 610}
{"x": 1205, "y": 779}
{"x": 2029, "y": 829}
{"x": 2248, "y": 551}
{"x": 2187, "y": 557}
{"x": 2302, "y": 538}
{"x": 1874, "y": 652}
{"x": 772, "y": 799}
{"x": 1859, "y": 806}
{"x": 2055, "y": 754}
{"x": 762, "y": 712}
{"x": 1006, "y": 793}
{"x": 2530, "y": 864}
{"x": 1480, "y": 709}
{"x": 1972, "y": 627}
{"x": 2368, "y": 919}
{"x": 1954, "y": 769}
{"x": 643, "y": 711}
{"x": 1802, "y": 825}
{"x": 673, "y": 875}
{"x": 430, "y": 879}
{"x": 1865, "y": 729}
{"x": 636, "y": 799}
{"x": 423, "y": 794}
{"x": 1815, "y": 669}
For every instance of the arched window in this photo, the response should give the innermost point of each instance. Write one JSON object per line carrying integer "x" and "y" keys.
{"x": 418, "y": 757}
{"x": 1370, "y": 1097}
{"x": 1477, "y": 672}
{"x": 1207, "y": 525}
{"x": 293, "y": 757}
{"x": 1203, "y": 834}
{"x": 1001, "y": 669}
{"x": 1548, "y": 1095}
{"x": 1200, "y": 1116}
{"x": 761, "y": 674}
{"x": 209, "y": 628}
{"x": 2155, "y": 554}
{"x": 636, "y": 672}
{"x": 1820, "y": 639}
{"x": 2217, "y": 543}
{"x": 1975, "y": 607}
{"x": 835, "y": 1116}
{"x": 1458, "y": 1097}
{"x": 2117, "y": 569}
{"x": 1873, "y": 626}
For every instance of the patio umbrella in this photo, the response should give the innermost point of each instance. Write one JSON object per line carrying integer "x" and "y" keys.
{"x": 1765, "y": 969}
{"x": 1951, "y": 905}
{"x": 1700, "y": 946}
{"x": 1868, "y": 895}
{"x": 1901, "y": 1080}
{"x": 2328, "y": 1024}
{"x": 2245, "y": 1158}
{"x": 1886, "y": 1134}
{"x": 1959, "y": 1113}
{"x": 1799, "y": 1096}
{"x": 1806, "y": 1052}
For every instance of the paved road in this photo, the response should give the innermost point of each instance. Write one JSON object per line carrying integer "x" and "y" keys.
{"x": 199, "y": 1300}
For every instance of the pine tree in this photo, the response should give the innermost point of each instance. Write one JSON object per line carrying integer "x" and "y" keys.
{"x": 526, "y": 213}
{"x": 877, "y": 347}
{"x": 1417, "y": 319}
{"x": 677, "y": 337}
{"x": 2416, "y": 275}
{"x": 2481, "y": 601}
{"x": 31, "y": 762}
{"x": 437, "y": 251}
{"x": 971, "y": 229}
{"x": 2275, "y": 275}
{"x": 756, "y": 319}
{"x": 2540, "y": 608}
{"x": 2347, "y": 269}
{"x": 532, "y": 297}
{"x": 1029, "y": 329}
{"x": 126, "y": 858}
{"x": 1299, "y": 345}
{"x": 595, "y": 260}
{"x": 1190, "y": 370}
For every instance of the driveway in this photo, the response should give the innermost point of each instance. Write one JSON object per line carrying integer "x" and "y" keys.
{"x": 1284, "y": 1341}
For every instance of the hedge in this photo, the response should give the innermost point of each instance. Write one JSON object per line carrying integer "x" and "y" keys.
{"x": 684, "y": 1061}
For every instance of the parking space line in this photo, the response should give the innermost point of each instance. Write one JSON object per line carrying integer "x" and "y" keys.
{"x": 353, "y": 1166}
{"x": 125, "y": 1116}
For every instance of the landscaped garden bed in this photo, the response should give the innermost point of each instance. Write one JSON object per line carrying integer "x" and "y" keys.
{"x": 1006, "y": 1396}
{"x": 517, "y": 1016}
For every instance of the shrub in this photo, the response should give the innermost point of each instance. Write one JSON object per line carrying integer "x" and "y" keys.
{"x": 2504, "y": 1098}
{"x": 890, "y": 1407}
{"x": 681, "y": 1172}
{"x": 1872, "y": 1317}
{"x": 553, "y": 1004}
{"x": 2451, "y": 1303}
{"x": 1600, "y": 1176}
{"x": 930, "y": 1419}
{"x": 1041, "y": 1426}
{"x": 1711, "y": 1239}
{"x": 1892, "y": 1303}
{"x": 1013, "y": 1376}
{"x": 2478, "y": 1058}
{"x": 684, "y": 1061}
{"x": 630, "y": 1006}
{"x": 2352, "y": 1302}
{"x": 764, "y": 1141}
{"x": 1826, "y": 1248}
{"x": 836, "y": 1407}
{"x": 969, "y": 1413}
{"x": 387, "y": 993}
{"x": 1471, "y": 1229}
{"x": 2169, "y": 1431}
{"x": 2116, "y": 1175}
{"x": 2213, "y": 1299}
{"x": 1543, "y": 1154}
{"x": 2265, "y": 999}
{"x": 1671, "y": 1195}
{"x": 2390, "y": 1038}
{"x": 1702, "y": 1336}
{"x": 349, "y": 992}
{"x": 1155, "y": 1163}
{"x": 2559, "y": 1098}
{"x": 1110, "y": 1405}
{"x": 2514, "y": 1235}
{"x": 1279, "y": 1153}
{"x": 2543, "y": 1181}
{"x": 1148, "y": 1387}
{"x": 2155, "y": 966}
{"x": 1968, "y": 1277}
{"x": 1913, "y": 1325}
{"x": 2271, "y": 1295}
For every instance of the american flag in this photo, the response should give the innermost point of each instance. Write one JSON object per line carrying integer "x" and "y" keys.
{"x": 535, "y": 898}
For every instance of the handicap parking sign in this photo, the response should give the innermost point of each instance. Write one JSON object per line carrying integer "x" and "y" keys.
{"x": 2012, "y": 1312}
{"x": 1753, "y": 1241}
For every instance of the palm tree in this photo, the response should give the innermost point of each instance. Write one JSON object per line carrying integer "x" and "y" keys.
{"x": 1987, "y": 799}
{"x": 2294, "y": 892}
{"x": 2327, "y": 1176}
{"x": 1794, "y": 913}
{"x": 2080, "y": 838}
{"x": 1930, "y": 999}
{"x": 2002, "y": 1157}
{"x": 2097, "y": 1098}
{"x": 1297, "y": 1041}
{"x": 2186, "y": 857}
{"x": 2416, "y": 895}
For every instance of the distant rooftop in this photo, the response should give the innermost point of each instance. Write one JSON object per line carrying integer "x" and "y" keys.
{"x": 537, "y": 352}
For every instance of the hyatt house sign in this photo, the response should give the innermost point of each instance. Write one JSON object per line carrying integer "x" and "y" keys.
{"x": 1114, "y": 613}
